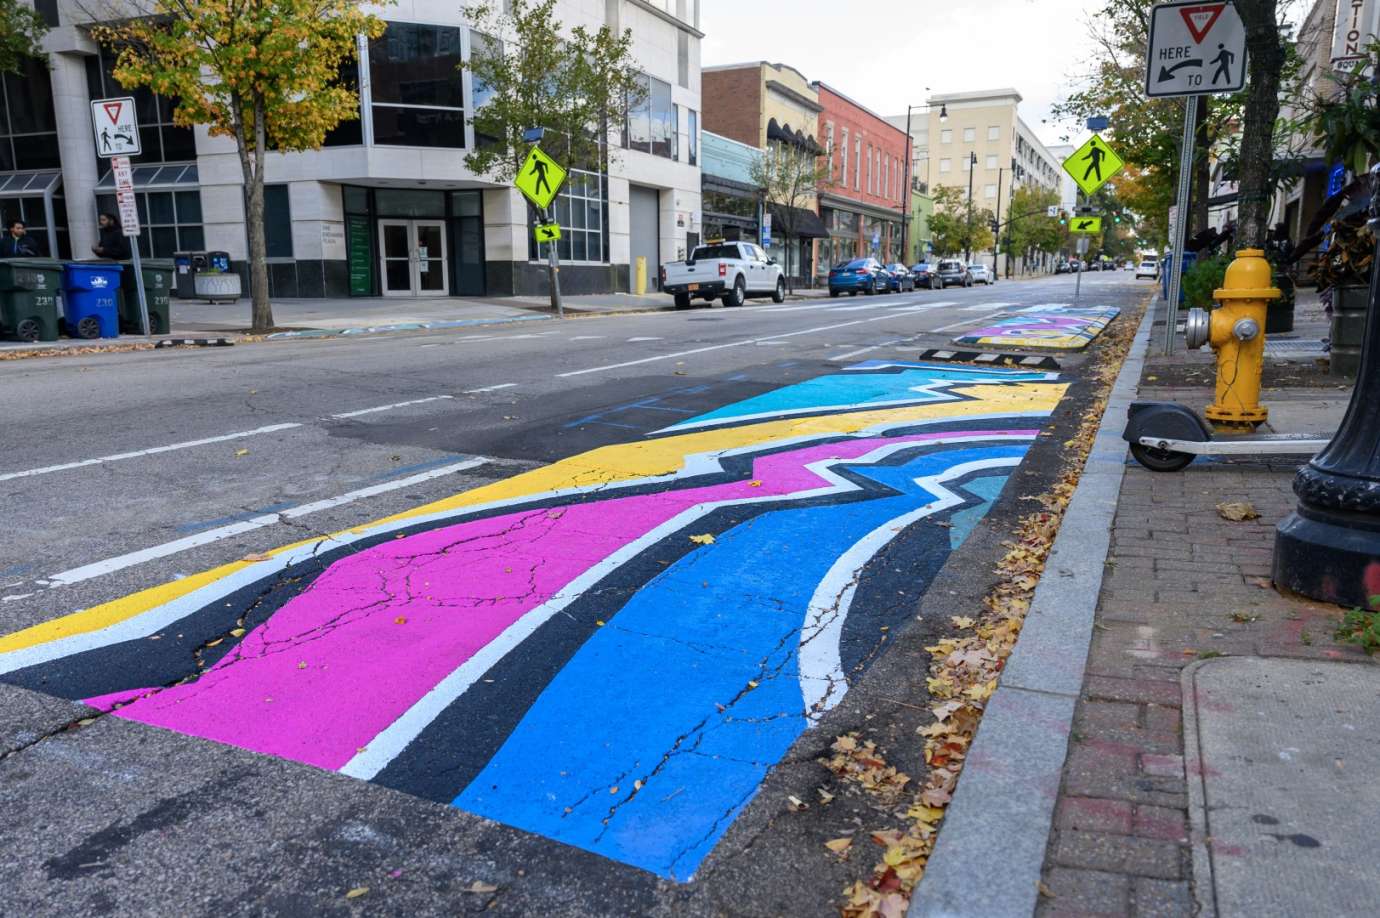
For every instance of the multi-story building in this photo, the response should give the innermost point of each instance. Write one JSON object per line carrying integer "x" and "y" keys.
{"x": 864, "y": 202}
{"x": 388, "y": 207}
{"x": 731, "y": 199}
{"x": 1068, "y": 188}
{"x": 772, "y": 107}
{"x": 982, "y": 132}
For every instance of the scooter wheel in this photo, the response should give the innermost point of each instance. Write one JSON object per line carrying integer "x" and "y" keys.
{"x": 1160, "y": 460}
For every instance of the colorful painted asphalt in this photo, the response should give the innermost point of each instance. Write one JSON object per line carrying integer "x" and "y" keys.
{"x": 612, "y": 651}
{"x": 1054, "y": 326}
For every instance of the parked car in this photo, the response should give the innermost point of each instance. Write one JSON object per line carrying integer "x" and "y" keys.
{"x": 1062, "y": 267}
{"x": 982, "y": 274}
{"x": 861, "y": 275}
{"x": 1075, "y": 266}
{"x": 901, "y": 281}
{"x": 732, "y": 270}
{"x": 1149, "y": 267}
{"x": 925, "y": 275}
{"x": 952, "y": 271}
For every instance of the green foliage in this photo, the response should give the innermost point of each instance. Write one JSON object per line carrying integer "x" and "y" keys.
{"x": 579, "y": 86}
{"x": 21, "y": 31}
{"x": 1362, "y": 628}
{"x": 1345, "y": 120}
{"x": 1029, "y": 229}
{"x": 958, "y": 225}
{"x": 790, "y": 177}
{"x": 1199, "y": 281}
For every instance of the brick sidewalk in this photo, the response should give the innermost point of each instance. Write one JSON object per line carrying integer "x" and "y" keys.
{"x": 1181, "y": 584}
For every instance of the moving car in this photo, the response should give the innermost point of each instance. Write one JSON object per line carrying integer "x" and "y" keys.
{"x": 1149, "y": 267}
{"x": 732, "y": 270}
{"x": 952, "y": 271}
{"x": 982, "y": 274}
{"x": 901, "y": 281}
{"x": 861, "y": 275}
{"x": 925, "y": 275}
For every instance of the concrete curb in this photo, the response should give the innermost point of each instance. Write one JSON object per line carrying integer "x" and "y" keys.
{"x": 400, "y": 326}
{"x": 1004, "y": 804}
{"x": 1197, "y": 794}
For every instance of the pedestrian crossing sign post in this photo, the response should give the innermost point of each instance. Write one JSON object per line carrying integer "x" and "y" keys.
{"x": 116, "y": 127}
{"x": 540, "y": 178}
{"x": 1092, "y": 164}
{"x": 548, "y": 232}
{"x": 1195, "y": 49}
{"x": 1090, "y": 225}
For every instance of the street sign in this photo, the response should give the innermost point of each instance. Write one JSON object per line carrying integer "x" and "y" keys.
{"x": 1195, "y": 49}
{"x": 1357, "y": 24}
{"x": 1052, "y": 210}
{"x": 540, "y": 178}
{"x": 548, "y": 232}
{"x": 1097, "y": 123}
{"x": 766, "y": 230}
{"x": 1090, "y": 225}
{"x": 1092, "y": 164}
{"x": 124, "y": 195}
{"x": 116, "y": 127}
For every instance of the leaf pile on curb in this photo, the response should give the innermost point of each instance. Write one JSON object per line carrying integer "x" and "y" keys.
{"x": 964, "y": 669}
{"x": 1238, "y": 511}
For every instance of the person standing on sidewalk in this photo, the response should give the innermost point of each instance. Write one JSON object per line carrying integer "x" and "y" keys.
{"x": 17, "y": 243}
{"x": 112, "y": 243}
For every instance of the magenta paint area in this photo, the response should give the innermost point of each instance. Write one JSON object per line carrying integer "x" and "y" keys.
{"x": 378, "y": 629}
{"x": 1078, "y": 323}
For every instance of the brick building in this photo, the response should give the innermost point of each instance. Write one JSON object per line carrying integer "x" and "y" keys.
{"x": 865, "y": 202}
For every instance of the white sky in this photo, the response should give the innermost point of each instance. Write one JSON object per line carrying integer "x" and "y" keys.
{"x": 883, "y": 53}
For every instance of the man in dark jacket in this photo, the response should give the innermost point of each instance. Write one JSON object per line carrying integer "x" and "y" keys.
{"x": 112, "y": 243}
{"x": 17, "y": 243}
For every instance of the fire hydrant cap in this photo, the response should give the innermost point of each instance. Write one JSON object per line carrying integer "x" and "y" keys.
{"x": 1248, "y": 278}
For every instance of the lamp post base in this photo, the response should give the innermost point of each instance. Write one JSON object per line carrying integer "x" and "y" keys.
{"x": 1331, "y": 555}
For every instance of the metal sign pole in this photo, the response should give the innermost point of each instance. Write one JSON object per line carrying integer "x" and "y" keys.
{"x": 554, "y": 265}
{"x": 139, "y": 285}
{"x": 1176, "y": 241}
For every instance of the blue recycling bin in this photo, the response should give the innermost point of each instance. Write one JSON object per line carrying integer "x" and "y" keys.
{"x": 90, "y": 302}
{"x": 1189, "y": 259}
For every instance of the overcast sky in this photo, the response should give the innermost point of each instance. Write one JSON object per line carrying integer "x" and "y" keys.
{"x": 883, "y": 53}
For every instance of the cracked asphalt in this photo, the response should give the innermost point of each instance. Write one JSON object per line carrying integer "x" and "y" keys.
{"x": 188, "y": 460}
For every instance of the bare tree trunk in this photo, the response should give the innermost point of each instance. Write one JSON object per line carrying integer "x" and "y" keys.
{"x": 1265, "y": 53}
{"x": 258, "y": 249}
{"x": 1202, "y": 172}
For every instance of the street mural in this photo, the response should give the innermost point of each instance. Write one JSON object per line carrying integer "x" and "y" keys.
{"x": 613, "y": 650}
{"x": 1054, "y": 326}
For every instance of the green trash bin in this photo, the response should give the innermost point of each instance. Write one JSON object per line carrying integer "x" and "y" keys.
{"x": 158, "y": 282}
{"x": 29, "y": 298}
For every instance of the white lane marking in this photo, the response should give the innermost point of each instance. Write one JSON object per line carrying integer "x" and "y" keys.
{"x": 967, "y": 322}
{"x": 116, "y": 457}
{"x": 375, "y": 410}
{"x": 822, "y": 680}
{"x": 120, "y": 562}
{"x": 644, "y": 338}
{"x": 719, "y": 347}
{"x": 918, "y": 306}
{"x": 587, "y": 337}
{"x": 983, "y": 307}
{"x": 867, "y": 350}
{"x": 507, "y": 385}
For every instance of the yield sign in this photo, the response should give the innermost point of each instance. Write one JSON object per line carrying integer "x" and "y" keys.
{"x": 1200, "y": 19}
{"x": 113, "y": 109}
{"x": 115, "y": 125}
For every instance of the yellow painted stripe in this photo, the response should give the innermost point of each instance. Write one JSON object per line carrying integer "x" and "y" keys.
{"x": 606, "y": 465}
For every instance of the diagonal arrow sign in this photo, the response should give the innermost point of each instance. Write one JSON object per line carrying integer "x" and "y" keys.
{"x": 1167, "y": 73}
{"x": 1084, "y": 224}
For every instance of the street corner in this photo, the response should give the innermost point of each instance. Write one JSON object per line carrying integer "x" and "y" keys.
{"x": 1056, "y": 326}
{"x": 612, "y": 651}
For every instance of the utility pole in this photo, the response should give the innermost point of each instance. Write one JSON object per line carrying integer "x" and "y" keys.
{"x": 996, "y": 242}
{"x": 968, "y": 236}
{"x": 905, "y": 207}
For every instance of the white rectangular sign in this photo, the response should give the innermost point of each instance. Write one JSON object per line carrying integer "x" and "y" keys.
{"x": 1357, "y": 24}
{"x": 1195, "y": 49}
{"x": 116, "y": 126}
{"x": 124, "y": 195}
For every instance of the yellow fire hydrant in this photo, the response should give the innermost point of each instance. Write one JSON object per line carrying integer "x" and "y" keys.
{"x": 1236, "y": 331}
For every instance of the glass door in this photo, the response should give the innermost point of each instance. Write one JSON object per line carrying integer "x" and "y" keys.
{"x": 430, "y": 257}
{"x": 395, "y": 253}
{"x": 413, "y": 253}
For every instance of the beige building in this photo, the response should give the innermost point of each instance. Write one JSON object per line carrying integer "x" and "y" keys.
{"x": 983, "y": 131}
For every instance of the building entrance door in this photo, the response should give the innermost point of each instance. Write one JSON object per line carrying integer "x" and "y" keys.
{"x": 413, "y": 256}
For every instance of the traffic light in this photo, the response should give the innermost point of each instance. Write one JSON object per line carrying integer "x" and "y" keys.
{"x": 1116, "y": 216}
{"x": 993, "y": 225}
{"x": 1063, "y": 218}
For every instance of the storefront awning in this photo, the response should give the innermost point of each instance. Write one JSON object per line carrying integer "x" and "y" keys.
{"x": 802, "y": 223}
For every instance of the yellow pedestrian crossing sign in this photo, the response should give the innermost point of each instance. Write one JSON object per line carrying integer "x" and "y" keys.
{"x": 1092, "y": 164}
{"x": 539, "y": 178}
{"x": 548, "y": 232}
{"x": 1089, "y": 225}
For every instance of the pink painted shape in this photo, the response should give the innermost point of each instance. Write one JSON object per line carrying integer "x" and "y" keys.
{"x": 334, "y": 666}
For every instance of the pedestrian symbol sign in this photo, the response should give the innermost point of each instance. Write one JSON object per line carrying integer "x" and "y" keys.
{"x": 540, "y": 178}
{"x": 1090, "y": 225}
{"x": 116, "y": 127}
{"x": 1092, "y": 164}
{"x": 548, "y": 232}
{"x": 1195, "y": 49}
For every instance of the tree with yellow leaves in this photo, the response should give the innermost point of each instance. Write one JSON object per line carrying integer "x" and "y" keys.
{"x": 264, "y": 72}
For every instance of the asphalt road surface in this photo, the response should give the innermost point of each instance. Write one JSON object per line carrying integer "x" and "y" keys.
{"x": 544, "y": 618}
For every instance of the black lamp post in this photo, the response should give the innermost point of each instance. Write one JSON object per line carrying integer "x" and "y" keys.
{"x": 905, "y": 207}
{"x": 968, "y": 250}
{"x": 1329, "y": 547}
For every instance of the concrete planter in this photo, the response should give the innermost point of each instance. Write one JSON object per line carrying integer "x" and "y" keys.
{"x": 218, "y": 288}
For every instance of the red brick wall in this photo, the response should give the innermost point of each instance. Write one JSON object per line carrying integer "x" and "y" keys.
{"x": 733, "y": 104}
{"x": 891, "y": 141}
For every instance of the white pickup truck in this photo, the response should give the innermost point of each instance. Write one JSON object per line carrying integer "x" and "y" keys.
{"x": 732, "y": 270}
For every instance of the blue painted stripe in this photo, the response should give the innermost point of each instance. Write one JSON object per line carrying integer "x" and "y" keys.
{"x": 639, "y": 701}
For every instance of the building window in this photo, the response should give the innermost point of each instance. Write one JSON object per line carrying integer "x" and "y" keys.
{"x": 886, "y": 177}
{"x": 170, "y": 221}
{"x": 580, "y": 209}
{"x": 694, "y": 137}
{"x": 991, "y": 160}
{"x": 869, "y": 168}
{"x": 682, "y": 59}
{"x": 415, "y": 81}
{"x": 946, "y": 164}
{"x": 843, "y": 167}
{"x": 969, "y": 135}
{"x": 857, "y": 164}
{"x": 651, "y": 125}
{"x": 990, "y": 191}
{"x": 993, "y": 132}
{"x": 160, "y": 140}
{"x": 946, "y": 135}
{"x": 829, "y": 145}
{"x": 277, "y": 222}
{"x": 30, "y": 210}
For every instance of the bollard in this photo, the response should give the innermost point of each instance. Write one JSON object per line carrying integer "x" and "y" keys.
{"x": 640, "y": 284}
{"x": 1236, "y": 331}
